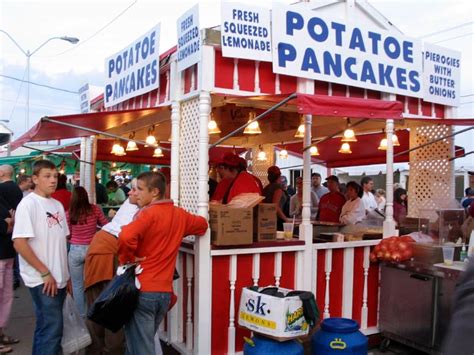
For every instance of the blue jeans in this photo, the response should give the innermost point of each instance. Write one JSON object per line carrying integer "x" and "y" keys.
{"x": 140, "y": 330}
{"x": 49, "y": 321}
{"x": 76, "y": 258}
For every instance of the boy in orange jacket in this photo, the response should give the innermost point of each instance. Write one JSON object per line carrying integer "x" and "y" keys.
{"x": 153, "y": 239}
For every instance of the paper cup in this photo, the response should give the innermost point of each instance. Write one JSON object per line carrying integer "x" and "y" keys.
{"x": 288, "y": 230}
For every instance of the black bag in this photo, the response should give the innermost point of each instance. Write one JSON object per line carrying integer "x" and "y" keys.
{"x": 115, "y": 305}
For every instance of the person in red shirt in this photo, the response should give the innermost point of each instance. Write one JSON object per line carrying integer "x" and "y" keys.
{"x": 330, "y": 204}
{"x": 62, "y": 194}
{"x": 153, "y": 239}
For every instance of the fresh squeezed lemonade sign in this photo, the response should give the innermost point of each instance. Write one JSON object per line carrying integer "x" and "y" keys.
{"x": 134, "y": 70}
{"x": 189, "y": 39}
{"x": 245, "y": 32}
{"x": 307, "y": 44}
{"x": 441, "y": 75}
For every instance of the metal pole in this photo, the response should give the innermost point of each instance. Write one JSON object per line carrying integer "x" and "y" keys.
{"x": 259, "y": 117}
{"x": 28, "y": 90}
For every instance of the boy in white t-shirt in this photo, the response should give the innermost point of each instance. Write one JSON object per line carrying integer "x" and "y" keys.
{"x": 39, "y": 236}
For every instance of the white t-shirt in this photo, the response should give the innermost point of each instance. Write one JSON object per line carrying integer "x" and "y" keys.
{"x": 123, "y": 217}
{"x": 352, "y": 211}
{"x": 368, "y": 199}
{"x": 43, "y": 221}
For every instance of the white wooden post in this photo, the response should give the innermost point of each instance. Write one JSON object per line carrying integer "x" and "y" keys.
{"x": 82, "y": 165}
{"x": 231, "y": 329}
{"x": 175, "y": 132}
{"x": 347, "y": 282}
{"x": 256, "y": 269}
{"x": 277, "y": 84}
{"x": 327, "y": 270}
{"x": 389, "y": 226}
{"x": 365, "y": 309}
{"x": 203, "y": 292}
{"x": 189, "y": 306}
{"x": 278, "y": 268}
{"x": 236, "y": 75}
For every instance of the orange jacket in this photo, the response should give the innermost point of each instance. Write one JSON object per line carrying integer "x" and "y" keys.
{"x": 156, "y": 234}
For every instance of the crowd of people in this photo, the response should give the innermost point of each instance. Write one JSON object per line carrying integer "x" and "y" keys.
{"x": 60, "y": 251}
{"x": 331, "y": 201}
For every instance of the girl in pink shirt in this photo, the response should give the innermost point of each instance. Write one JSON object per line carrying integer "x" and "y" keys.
{"x": 83, "y": 219}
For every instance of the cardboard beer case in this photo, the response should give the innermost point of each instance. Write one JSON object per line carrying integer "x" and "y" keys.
{"x": 279, "y": 318}
{"x": 265, "y": 222}
{"x": 231, "y": 226}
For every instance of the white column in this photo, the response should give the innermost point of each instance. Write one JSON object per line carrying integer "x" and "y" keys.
{"x": 347, "y": 282}
{"x": 82, "y": 165}
{"x": 256, "y": 269}
{"x": 90, "y": 169}
{"x": 175, "y": 132}
{"x": 202, "y": 246}
{"x": 327, "y": 271}
{"x": 236, "y": 75}
{"x": 278, "y": 267}
{"x": 257, "y": 77}
{"x": 365, "y": 309}
{"x": 189, "y": 305}
{"x": 231, "y": 329}
{"x": 389, "y": 227}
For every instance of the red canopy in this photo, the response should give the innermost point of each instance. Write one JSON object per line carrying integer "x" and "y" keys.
{"x": 99, "y": 121}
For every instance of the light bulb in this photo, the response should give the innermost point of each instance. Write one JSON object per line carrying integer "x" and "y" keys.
{"x": 212, "y": 126}
{"x": 158, "y": 153}
{"x": 395, "y": 141}
{"x": 313, "y": 150}
{"x": 262, "y": 156}
{"x": 383, "y": 144}
{"x": 283, "y": 154}
{"x": 345, "y": 149}
{"x": 349, "y": 136}
{"x": 131, "y": 145}
{"x": 150, "y": 141}
{"x": 300, "y": 131}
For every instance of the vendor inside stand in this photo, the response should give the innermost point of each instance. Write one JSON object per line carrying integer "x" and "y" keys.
{"x": 239, "y": 180}
{"x": 353, "y": 210}
{"x": 330, "y": 204}
{"x": 296, "y": 201}
{"x": 273, "y": 193}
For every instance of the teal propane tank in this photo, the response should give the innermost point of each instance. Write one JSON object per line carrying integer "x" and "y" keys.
{"x": 260, "y": 345}
{"x": 339, "y": 336}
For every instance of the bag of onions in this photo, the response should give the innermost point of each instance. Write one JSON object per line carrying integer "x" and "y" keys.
{"x": 393, "y": 249}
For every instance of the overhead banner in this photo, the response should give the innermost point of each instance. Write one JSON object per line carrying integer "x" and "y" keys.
{"x": 134, "y": 70}
{"x": 189, "y": 39}
{"x": 441, "y": 75}
{"x": 245, "y": 32}
{"x": 309, "y": 45}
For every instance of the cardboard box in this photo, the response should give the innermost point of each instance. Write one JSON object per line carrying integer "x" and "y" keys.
{"x": 231, "y": 226}
{"x": 280, "y": 318}
{"x": 265, "y": 222}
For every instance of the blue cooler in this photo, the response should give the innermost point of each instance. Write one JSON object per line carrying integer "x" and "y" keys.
{"x": 339, "y": 336}
{"x": 260, "y": 345}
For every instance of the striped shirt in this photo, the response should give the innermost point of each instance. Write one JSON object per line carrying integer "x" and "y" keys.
{"x": 83, "y": 233}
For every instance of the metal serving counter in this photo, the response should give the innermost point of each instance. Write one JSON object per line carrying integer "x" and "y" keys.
{"x": 415, "y": 303}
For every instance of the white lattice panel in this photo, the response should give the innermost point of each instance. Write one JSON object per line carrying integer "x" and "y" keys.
{"x": 189, "y": 155}
{"x": 259, "y": 168}
{"x": 431, "y": 177}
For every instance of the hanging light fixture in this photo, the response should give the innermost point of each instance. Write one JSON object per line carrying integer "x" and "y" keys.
{"x": 283, "y": 153}
{"x": 383, "y": 144}
{"x": 212, "y": 126}
{"x": 254, "y": 127}
{"x": 150, "y": 139}
{"x": 62, "y": 167}
{"x": 313, "y": 150}
{"x": 115, "y": 147}
{"x": 131, "y": 145}
{"x": 158, "y": 153}
{"x": 300, "y": 131}
{"x": 345, "y": 149}
{"x": 349, "y": 135}
{"x": 395, "y": 141}
{"x": 120, "y": 151}
{"x": 261, "y": 156}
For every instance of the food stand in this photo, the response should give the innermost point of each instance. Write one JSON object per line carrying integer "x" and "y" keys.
{"x": 340, "y": 274}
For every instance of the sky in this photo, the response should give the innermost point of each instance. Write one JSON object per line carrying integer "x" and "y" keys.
{"x": 106, "y": 26}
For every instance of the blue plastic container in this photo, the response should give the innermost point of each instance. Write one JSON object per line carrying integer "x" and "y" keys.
{"x": 266, "y": 346}
{"x": 339, "y": 336}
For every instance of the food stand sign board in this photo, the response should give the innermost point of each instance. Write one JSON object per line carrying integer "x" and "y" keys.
{"x": 134, "y": 70}
{"x": 84, "y": 98}
{"x": 309, "y": 45}
{"x": 246, "y": 32}
{"x": 189, "y": 39}
{"x": 441, "y": 75}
